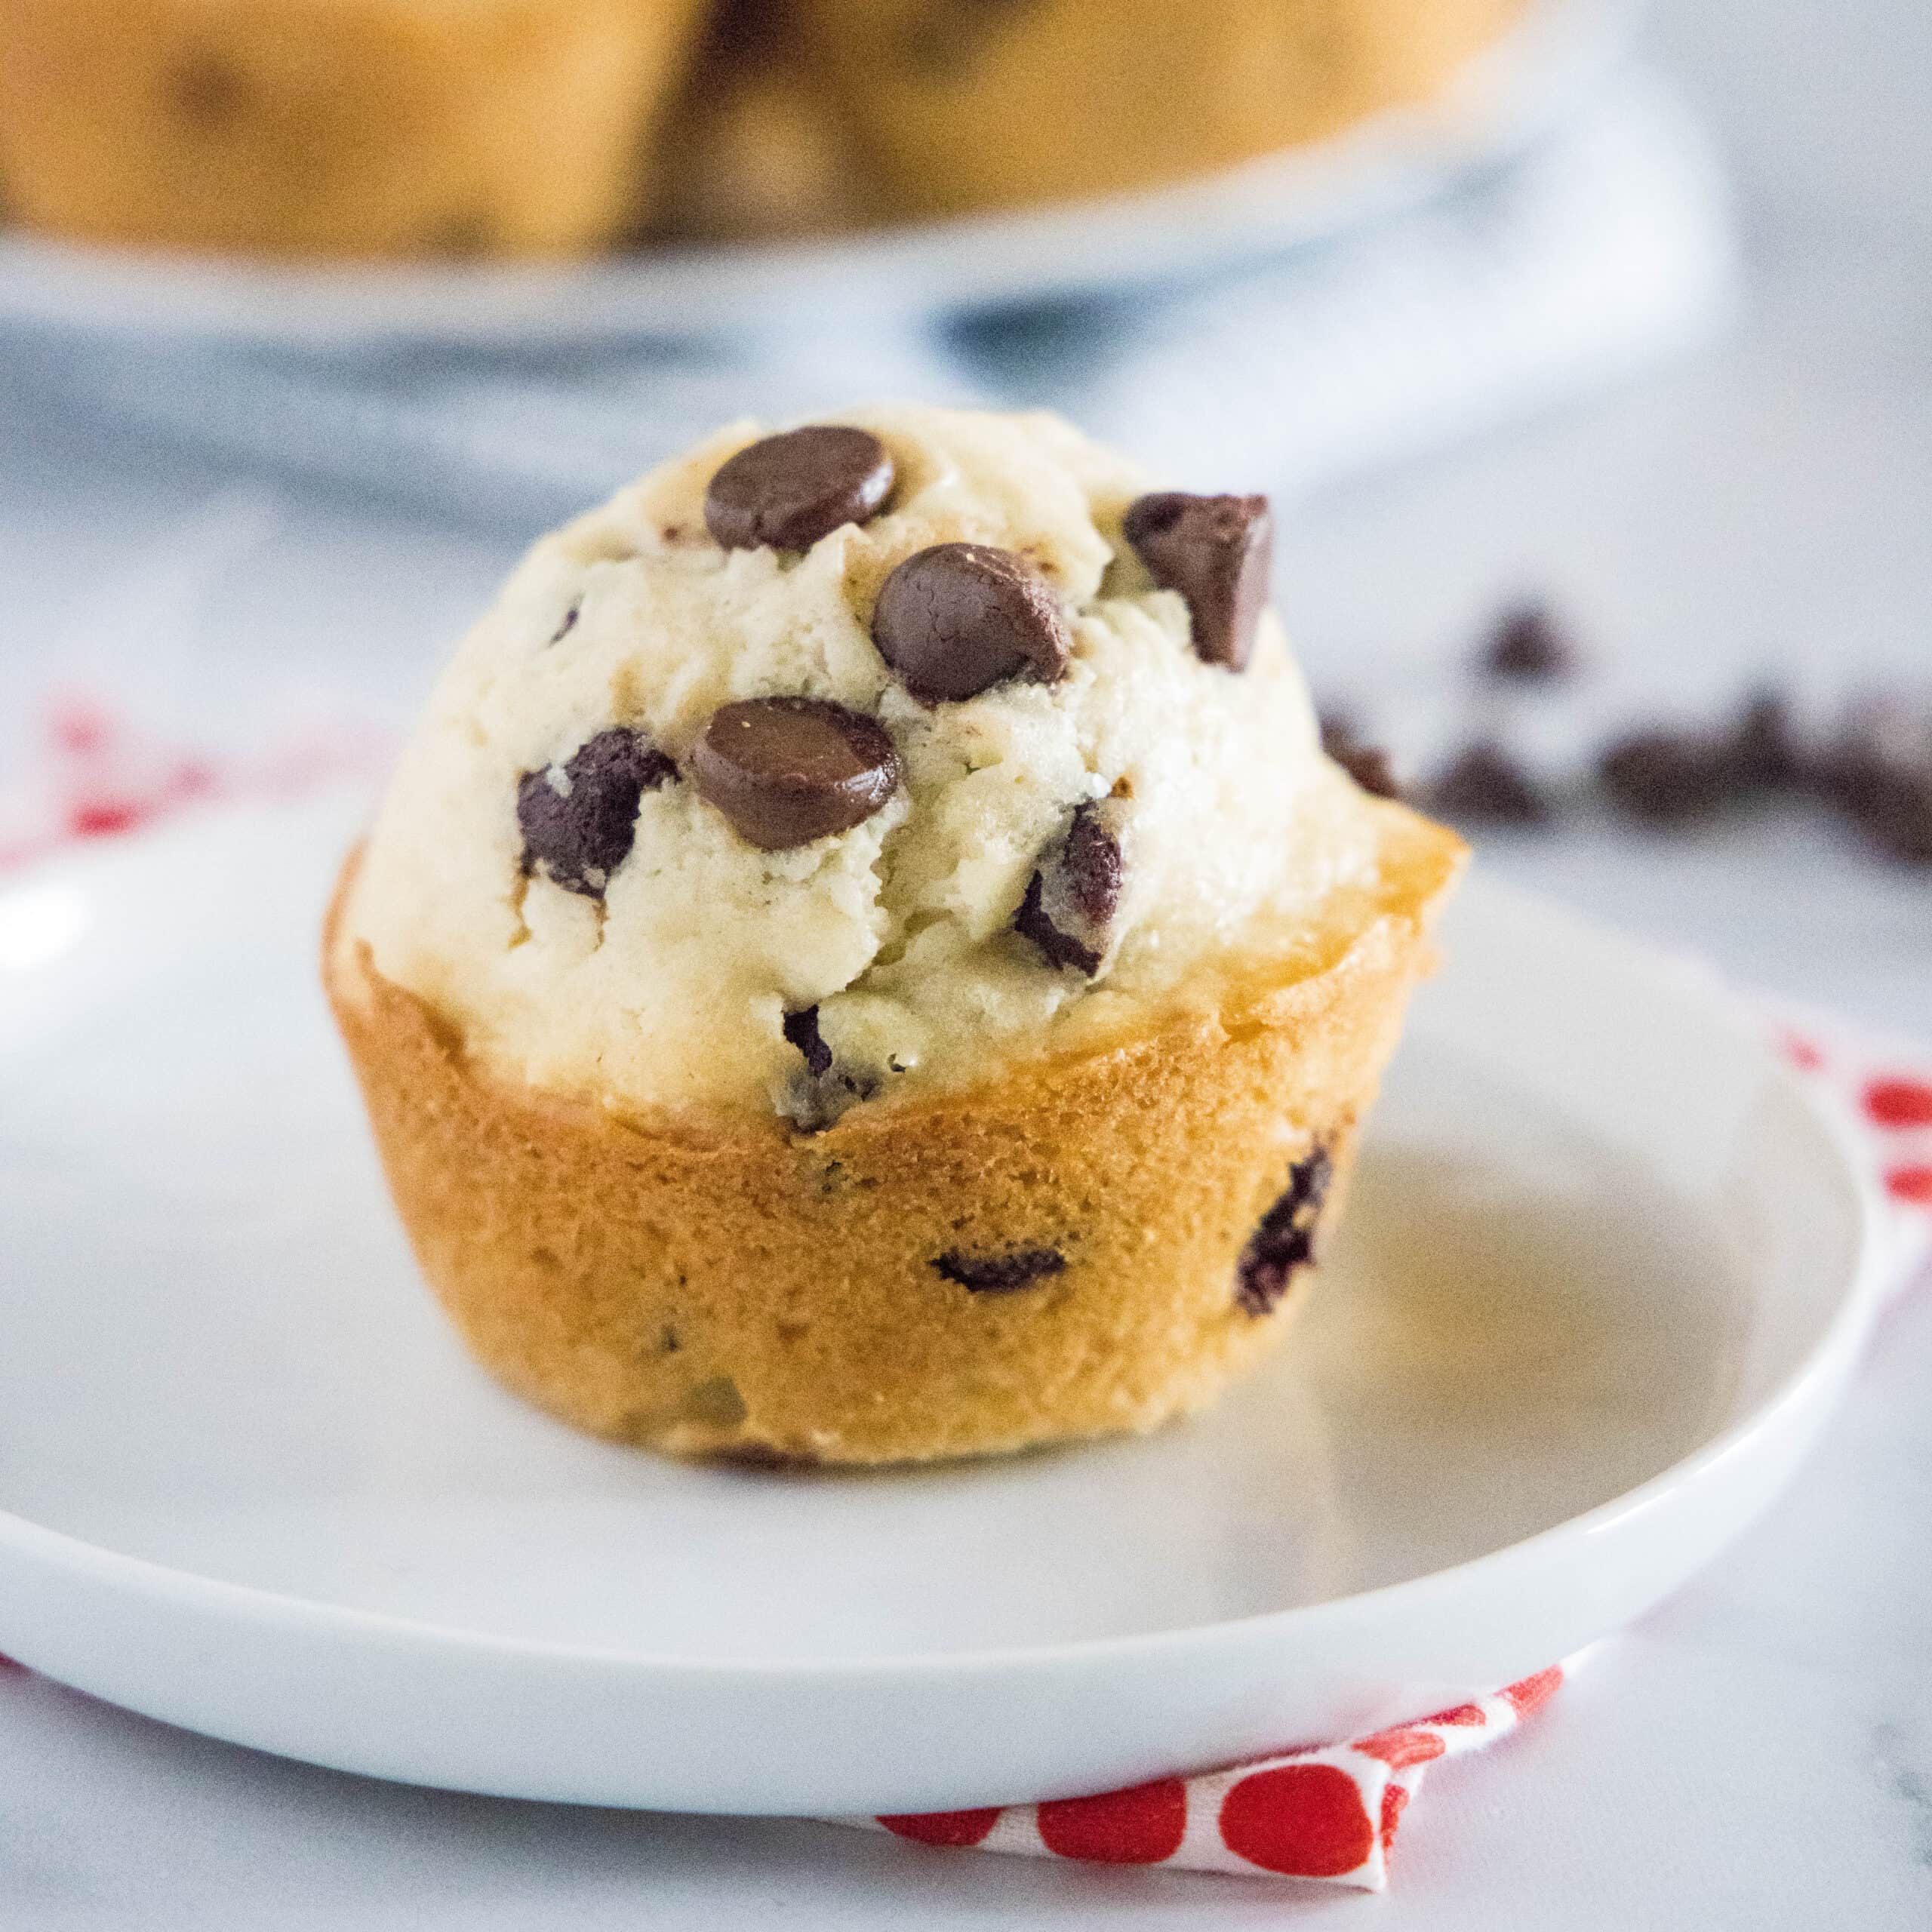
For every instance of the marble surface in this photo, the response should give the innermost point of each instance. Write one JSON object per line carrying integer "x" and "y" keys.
{"x": 1757, "y": 1755}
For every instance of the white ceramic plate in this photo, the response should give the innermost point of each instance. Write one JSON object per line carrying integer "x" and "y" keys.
{"x": 1503, "y": 100}
{"x": 1603, "y": 1278}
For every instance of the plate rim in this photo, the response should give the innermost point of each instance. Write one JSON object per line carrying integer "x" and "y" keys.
{"x": 1859, "y": 1296}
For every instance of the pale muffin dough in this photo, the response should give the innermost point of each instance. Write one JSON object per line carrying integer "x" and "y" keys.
{"x": 1240, "y": 837}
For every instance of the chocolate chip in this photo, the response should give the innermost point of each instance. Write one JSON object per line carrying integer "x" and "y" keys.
{"x": 206, "y": 91}
{"x": 786, "y": 770}
{"x": 785, "y": 492}
{"x": 957, "y": 619}
{"x": 1284, "y": 1241}
{"x": 1216, "y": 551}
{"x": 1483, "y": 784}
{"x": 1368, "y": 765}
{"x": 823, "y": 1090}
{"x": 1527, "y": 647}
{"x": 800, "y": 1030}
{"x": 1070, "y": 900}
{"x": 578, "y": 824}
{"x": 1879, "y": 773}
{"x": 1001, "y": 1273}
{"x": 1667, "y": 778}
{"x": 1764, "y": 751}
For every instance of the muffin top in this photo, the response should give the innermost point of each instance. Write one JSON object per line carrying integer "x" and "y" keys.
{"x": 820, "y": 768}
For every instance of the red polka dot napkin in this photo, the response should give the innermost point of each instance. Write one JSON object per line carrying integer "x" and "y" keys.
{"x": 1328, "y": 1812}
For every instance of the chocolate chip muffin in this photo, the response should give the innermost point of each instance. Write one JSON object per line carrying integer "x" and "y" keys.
{"x": 965, "y": 104}
{"x": 336, "y": 127}
{"x": 866, "y": 958}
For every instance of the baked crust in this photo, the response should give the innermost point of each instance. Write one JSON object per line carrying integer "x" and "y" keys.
{"x": 336, "y": 127}
{"x": 724, "y": 1284}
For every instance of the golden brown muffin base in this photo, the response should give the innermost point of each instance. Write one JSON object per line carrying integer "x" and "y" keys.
{"x": 336, "y": 127}
{"x": 961, "y": 104}
{"x": 728, "y": 1285}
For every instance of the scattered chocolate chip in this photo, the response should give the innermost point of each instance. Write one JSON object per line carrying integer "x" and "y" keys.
{"x": 1217, "y": 552}
{"x": 1879, "y": 773}
{"x": 1763, "y": 750}
{"x": 1001, "y": 1273}
{"x": 1666, "y": 777}
{"x": 1368, "y": 765}
{"x": 1528, "y": 647}
{"x": 785, "y": 492}
{"x": 1483, "y": 784}
{"x": 786, "y": 770}
{"x": 569, "y": 623}
{"x": 957, "y": 619}
{"x": 1070, "y": 900}
{"x": 1284, "y": 1241}
{"x": 800, "y": 1030}
{"x": 578, "y": 822}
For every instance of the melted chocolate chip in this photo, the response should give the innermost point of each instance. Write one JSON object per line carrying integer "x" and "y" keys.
{"x": 1216, "y": 551}
{"x": 1483, "y": 784}
{"x": 1666, "y": 777}
{"x": 957, "y": 619}
{"x": 785, "y": 492}
{"x": 822, "y": 1089}
{"x": 800, "y": 1030}
{"x": 578, "y": 824}
{"x": 1529, "y": 647}
{"x": 1075, "y": 892}
{"x": 786, "y": 770}
{"x": 1284, "y": 1241}
{"x": 1368, "y": 765}
{"x": 1001, "y": 1273}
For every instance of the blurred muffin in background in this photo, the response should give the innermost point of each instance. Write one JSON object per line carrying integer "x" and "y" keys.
{"x": 337, "y": 127}
{"x": 967, "y": 104}
{"x": 755, "y": 152}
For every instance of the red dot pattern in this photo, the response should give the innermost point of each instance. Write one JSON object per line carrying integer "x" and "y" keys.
{"x": 1913, "y": 1185}
{"x": 1394, "y": 1796}
{"x": 1900, "y": 1103}
{"x": 1405, "y": 1744}
{"x": 944, "y": 1828}
{"x": 1307, "y": 1821}
{"x": 1533, "y": 1692}
{"x": 1141, "y": 1825}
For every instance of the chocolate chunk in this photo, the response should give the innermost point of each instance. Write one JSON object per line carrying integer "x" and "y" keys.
{"x": 1217, "y": 552}
{"x": 786, "y": 770}
{"x": 957, "y": 619}
{"x": 1284, "y": 1241}
{"x": 1764, "y": 752}
{"x": 1075, "y": 892}
{"x": 1667, "y": 778}
{"x": 1527, "y": 647}
{"x": 578, "y": 824}
{"x": 785, "y": 492}
{"x": 207, "y": 92}
{"x": 1368, "y": 765}
{"x": 801, "y": 1029}
{"x": 823, "y": 1090}
{"x": 1483, "y": 784}
{"x": 1001, "y": 1273}
{"x": 1879, "y": 773}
